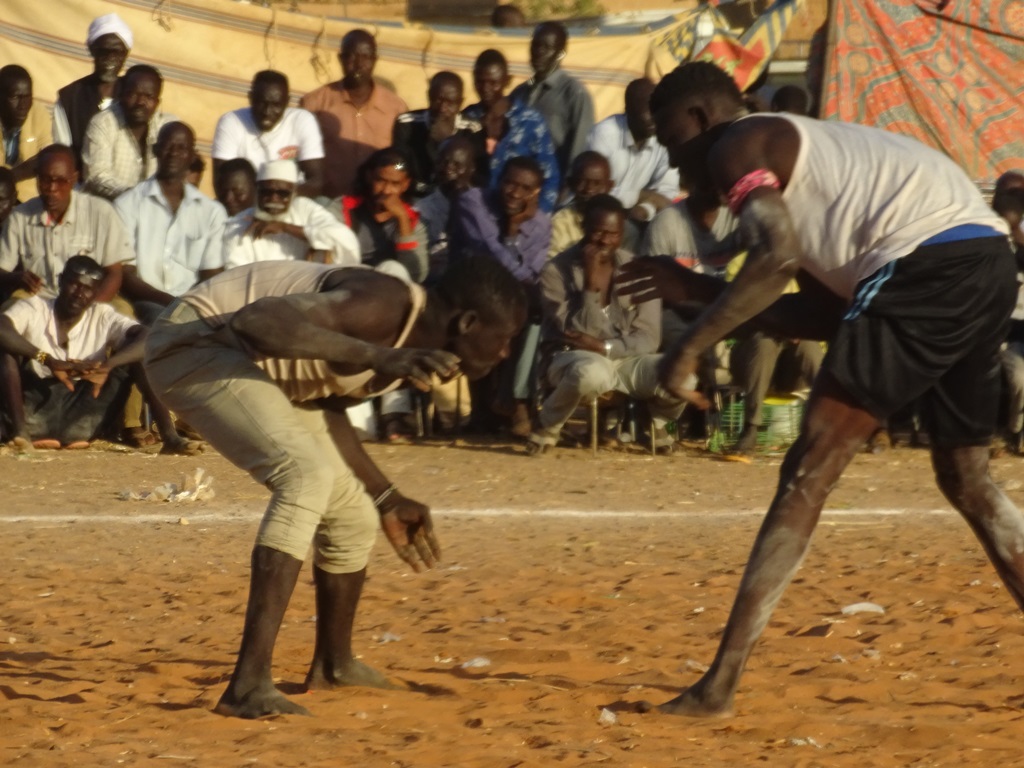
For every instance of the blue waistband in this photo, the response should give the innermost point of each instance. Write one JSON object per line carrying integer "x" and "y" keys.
{"x": 963, "y": 232}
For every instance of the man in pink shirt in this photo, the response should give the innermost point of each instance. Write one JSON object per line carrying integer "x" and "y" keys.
{"x": 355, "y": 114}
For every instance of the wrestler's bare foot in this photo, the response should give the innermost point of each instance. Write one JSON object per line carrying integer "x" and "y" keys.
{"x": 351, "y": 673}
{"x": 259, "y": 702}
{"x": 691, "y": 703}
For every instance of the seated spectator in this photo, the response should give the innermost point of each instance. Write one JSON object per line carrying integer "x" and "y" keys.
{"x": 387, "y": 227}
{"x": 268, "y": 130}
{"x": 8, "y": 195}
{"x": 508, "y": 226}
{"x": 234, "y": 184}
{"x": 453, "y": 175}
{"x": 109, "y": 40}
{"x": 284, "y": 226}
{"x": 563, "y": 100}
{"x": 792, "y": 99}
{"x": 196, "y": 169}
{"x": 1009, "y": 180}
{"x": 643, "y": 179}
{"x": 24, "y": 127}
{"x": 68, "y": 389}
{"x": 42, "y": 234}
{"x": 118, "y": 149}
{"x": 511, "y": 128}
{"x": 177, "y": 231}
{"x": 598, "y": 341}
{"x": 355, "y": 114}
{"x": 418, "y": 134}
{"x": 507, "y": 15}
{"x": 589, "y": 176}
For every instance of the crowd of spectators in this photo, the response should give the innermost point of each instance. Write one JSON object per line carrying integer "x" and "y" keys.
{"x": 103, "y": 226}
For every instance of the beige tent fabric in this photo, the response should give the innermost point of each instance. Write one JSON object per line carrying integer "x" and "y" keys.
{"x": 208, "y": 51}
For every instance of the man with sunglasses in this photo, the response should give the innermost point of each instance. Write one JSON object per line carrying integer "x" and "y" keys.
{"x": 284, "y": 226}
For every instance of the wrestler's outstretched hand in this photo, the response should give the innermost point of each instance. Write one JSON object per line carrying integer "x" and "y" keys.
{"x": 652, "y": 277}
{"x": 416, "y": 365}
{"x": 408, "y": 527}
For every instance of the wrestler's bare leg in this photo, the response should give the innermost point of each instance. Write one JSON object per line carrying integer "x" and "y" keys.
{"x": 251, "y": 692}
{"x": 334, "y": 666}
{"x": 962, "y": 476}
{"x": 834, "y": 430}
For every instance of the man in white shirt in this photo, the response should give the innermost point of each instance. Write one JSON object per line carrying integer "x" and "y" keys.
{"x": 268, "y": 130}
{"x": 644, "y": 180}
{"x": 68, "y": 389}
{"x": 177, "y": 231}
{"x": 284, "y": 226}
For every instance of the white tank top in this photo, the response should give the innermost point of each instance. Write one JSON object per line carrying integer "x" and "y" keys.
{"x": 861, "y": 197}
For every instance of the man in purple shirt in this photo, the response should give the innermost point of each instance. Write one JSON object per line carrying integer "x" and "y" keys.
{"x": 506, "y": 224}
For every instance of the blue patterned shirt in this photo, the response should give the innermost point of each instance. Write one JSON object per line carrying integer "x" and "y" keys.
{"x": 527, "y": 136}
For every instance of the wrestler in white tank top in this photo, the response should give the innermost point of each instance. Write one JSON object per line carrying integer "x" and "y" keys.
{"x": 217, "y": 299}
{"x": 861, "y": 197}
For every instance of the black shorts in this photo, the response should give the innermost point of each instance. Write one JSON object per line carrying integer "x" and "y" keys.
{"x": 932, "y": 331}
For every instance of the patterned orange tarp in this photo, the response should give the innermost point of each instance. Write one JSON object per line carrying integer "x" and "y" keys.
{"x": 947, "y": 72}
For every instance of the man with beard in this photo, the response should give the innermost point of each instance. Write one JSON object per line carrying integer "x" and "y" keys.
{"x": 268, "y": 130}
{"x": 903, "y": 268}
{"x": 284, "y": 226}
{"x": 24, "y": 127}
{"x": 263, "y": 361}
{"x": 42, "y": 234}
{"x": 643, "y": 179}
{"x": 118, "y": 149}
{"x": 109, "y": 39}
{"x": 356, "y": 114}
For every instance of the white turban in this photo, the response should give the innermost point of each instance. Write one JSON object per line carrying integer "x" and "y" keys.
{"x": 110, "y": 24}
{"x": 279, "y": 170}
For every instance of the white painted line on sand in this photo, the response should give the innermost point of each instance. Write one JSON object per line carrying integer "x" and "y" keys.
{"x": 228, "y": 516}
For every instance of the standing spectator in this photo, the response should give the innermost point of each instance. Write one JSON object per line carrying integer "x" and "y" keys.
{"x": 387, "y": 227}
{"x": 356, "y": 115}
{"x": 109, "y": 39}
{"x": 418, "y": 134}
{"x": 24, "y": 127}
{"x": 118, "y": 150}
{"x": 268, "y": 130}
{"x": 453, "y": 175}
{"x": 507, "y": 15}
{"x": 792, "y": 99}
{"x": 600, "y": 342}
{"x": 508, "y": 226}
{"x": 177, "y": 231}
{"x": 511, "y": 128}
{"x": 644, "y": 181}
{"x": 284, "y": 226}
{"x": 563, "y": 100}
{"x": 42, "y": 234}
{"x": 235, "y": 185}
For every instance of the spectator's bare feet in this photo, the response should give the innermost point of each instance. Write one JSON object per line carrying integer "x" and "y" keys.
{"x": 77, "y": 445}
{"x": 521, "y": 426}
{"x": 747, "y": 442}
{"x": 46, "y": 445}
{"x": 137, "y": 437}
{"x": 21, "y": 445}
{"x": 180, "y": 446}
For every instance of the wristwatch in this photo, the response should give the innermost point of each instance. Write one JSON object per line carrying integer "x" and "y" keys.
{"x": 607, "y": 349}
{"x": 41, "y": 357}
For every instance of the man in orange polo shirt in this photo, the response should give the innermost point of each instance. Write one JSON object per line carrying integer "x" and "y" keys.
{"x": 355, "y": 114}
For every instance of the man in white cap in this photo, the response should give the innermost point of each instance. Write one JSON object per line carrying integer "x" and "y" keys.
{"x": 109, "y": 41}
{"x": 285, "y": 226}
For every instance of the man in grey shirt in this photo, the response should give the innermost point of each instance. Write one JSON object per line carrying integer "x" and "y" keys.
{"x": 562, "y": 99}
{"x": 597, "y": 342}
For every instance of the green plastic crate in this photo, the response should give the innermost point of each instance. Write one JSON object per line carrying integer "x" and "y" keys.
{"x": 780, "y": 426}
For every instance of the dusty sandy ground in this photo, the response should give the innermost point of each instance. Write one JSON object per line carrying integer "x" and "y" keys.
{"x": 119, "y": 622}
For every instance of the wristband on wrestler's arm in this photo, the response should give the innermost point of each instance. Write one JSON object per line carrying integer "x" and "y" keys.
{"x": 388, "y": 494}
